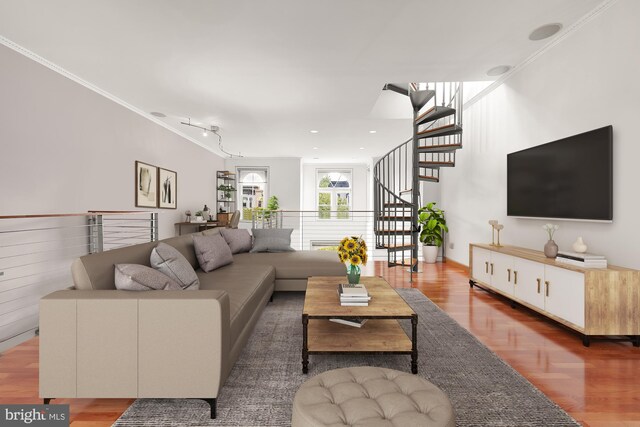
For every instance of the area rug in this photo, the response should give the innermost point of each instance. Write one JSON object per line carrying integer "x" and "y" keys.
{"x": 483, "y": 389}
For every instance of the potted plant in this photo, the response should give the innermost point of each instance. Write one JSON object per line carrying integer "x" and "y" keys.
{"x": 432, "y": 228}
{"x": 352, "y": 251}
{"x": 199, "y": 216}
{"x": 226, "y": 190}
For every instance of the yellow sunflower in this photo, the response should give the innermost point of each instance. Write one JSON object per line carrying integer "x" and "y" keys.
{"x": 356, "y": 260}
{"x": 344, "y": 257}
{"x": 350, "y": 245}
{"x": 343, "y": 241}
{"x": 364, "y": 259}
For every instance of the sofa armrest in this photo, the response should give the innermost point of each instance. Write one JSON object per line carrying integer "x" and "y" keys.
{"x": 109, "y": 343}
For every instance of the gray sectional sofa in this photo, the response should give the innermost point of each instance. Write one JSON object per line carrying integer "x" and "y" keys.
{"x": 98, "y": 342}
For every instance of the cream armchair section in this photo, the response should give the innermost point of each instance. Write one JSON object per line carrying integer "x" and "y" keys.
{"x": 160, "y": 344}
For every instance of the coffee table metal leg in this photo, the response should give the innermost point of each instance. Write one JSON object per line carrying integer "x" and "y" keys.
{"x": 305, "y": 348}
{"x": 414, "y": 344}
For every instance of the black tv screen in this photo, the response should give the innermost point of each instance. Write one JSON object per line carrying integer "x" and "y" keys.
{"x": 571, "y": 178}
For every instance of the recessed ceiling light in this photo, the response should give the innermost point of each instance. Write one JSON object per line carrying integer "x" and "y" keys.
{"x": 362, "y": 148}
{"x": 373, "y": 131}
{"x": 314, "y": 131}
{"x": 545, "y": 31}
{"x": 499, "y": 70}
{"x": 316, "y": 158}
{"x": 157, "y": 114}
{"x": 315, "y": 148}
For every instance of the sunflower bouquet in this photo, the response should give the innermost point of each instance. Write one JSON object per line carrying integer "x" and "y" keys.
{"x": 353, "y": 252}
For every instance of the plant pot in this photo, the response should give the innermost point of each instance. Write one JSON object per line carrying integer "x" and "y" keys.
{"x": 550, "y": 249}
{"x": 353, "y": 274}
{"x": 430, "y": 254}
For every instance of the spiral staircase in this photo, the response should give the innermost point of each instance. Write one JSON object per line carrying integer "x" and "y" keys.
{"x": 437, "y": 135}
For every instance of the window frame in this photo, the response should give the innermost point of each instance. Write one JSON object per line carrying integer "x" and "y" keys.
{"x": 333, "y": 207}
{"x": 239, "y": 171}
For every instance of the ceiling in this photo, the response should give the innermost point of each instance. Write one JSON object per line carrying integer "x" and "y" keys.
{"x": 268, "y": 72}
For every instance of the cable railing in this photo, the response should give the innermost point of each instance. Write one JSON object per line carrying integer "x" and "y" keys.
{"x": 321, "y": 229}
{"x": 36, "y": 252}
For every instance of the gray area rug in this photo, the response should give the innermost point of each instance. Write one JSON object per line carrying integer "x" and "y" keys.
{"x": 483, "y": 389}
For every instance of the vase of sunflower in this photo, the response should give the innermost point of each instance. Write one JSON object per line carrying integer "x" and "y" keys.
{"x": 353, "y": 252}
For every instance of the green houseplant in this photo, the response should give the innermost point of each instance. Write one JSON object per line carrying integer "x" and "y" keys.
{"x": 433, "y": 225}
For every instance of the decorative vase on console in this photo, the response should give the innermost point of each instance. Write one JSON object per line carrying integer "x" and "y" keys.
{"x": 550, "y": 248}
{"x": 579, "y": 246}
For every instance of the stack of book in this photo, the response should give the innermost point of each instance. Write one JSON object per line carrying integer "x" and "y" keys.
{"x": 353, "y": 295}
{"x": 582, "y": 260}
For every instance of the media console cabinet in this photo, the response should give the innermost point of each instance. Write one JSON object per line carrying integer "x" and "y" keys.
{"x": 588, "y": 300}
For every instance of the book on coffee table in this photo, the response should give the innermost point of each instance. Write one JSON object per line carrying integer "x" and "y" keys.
{"x": 356, "y": 323}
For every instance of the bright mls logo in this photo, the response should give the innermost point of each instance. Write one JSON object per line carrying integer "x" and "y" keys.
{"x": 34, "y": 415}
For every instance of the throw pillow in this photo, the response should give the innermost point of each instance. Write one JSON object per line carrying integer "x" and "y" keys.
{"x": 136, "y": 277}
{"x": 212, "y": 251}
{"x": 238, "y": 240}
{"x": 272, "y": 240}
{"x": 169, "y": 261}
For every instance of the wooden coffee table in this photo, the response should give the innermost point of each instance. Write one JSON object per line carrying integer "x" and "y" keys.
{"x": 381, "y": 334}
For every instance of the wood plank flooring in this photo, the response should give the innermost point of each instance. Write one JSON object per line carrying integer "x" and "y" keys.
{"x": 599, "y": 385}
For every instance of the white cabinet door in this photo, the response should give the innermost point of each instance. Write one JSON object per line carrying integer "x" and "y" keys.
{"x": 529, "y": 281}
{"x": 564, "y": 294}
{"x": 501, "y": 269}
{"x": 481, "y": 258}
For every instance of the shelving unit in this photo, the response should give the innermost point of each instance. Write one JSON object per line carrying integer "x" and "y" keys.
{"x": 227, "y": 181}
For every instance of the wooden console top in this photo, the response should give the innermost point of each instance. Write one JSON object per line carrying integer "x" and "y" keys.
{"x": 539, "y": 256}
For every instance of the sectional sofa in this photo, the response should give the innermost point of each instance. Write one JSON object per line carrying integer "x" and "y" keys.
{"x": 99, "y": 342}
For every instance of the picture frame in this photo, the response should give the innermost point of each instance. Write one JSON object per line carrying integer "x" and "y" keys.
{"x": 146, "y": 185}
{"x": 167, "y": 189}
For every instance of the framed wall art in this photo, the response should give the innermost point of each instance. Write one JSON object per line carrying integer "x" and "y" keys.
{"x": 146, "y": 182}
{"x": 167, "y": 189}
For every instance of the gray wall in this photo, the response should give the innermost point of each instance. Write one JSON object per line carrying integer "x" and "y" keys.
{"x": 64, "y": 148}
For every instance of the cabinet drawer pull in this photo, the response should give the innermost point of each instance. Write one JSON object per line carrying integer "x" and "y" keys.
{"x": 538, "y": 280}
{"x": 508, "y": 274}
{"x": 515, "y": 277}
{"x": 546, "y": 282}
{"x": 486, "y": 267}
{"x": 492, "y": 269}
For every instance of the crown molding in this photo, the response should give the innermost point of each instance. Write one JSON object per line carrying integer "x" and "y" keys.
{"x": 58, "y": 69}
{"x": 601, "y": 8}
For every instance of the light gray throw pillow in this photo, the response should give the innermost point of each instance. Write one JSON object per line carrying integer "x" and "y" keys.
{"x": 169, "y": 261}
{"x": 239, "y": 240}
{"x": 272, "y": 240}
{"x": 136, "y": 277}
{"x": 212, "y": 252}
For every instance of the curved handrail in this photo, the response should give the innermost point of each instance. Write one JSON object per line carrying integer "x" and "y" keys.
{"x": 392, "y": 150}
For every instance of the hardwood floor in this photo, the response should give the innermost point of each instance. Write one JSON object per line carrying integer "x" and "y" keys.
{"x": 599, "y": 385}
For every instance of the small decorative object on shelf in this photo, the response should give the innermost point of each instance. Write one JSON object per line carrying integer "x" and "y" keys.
{"x": 188, "y": 215}
{"x": 498, "y": 227}
{"x": 199, "y": 217}
{"x": 353, "y": 252}
{"x": 493, "y": 224}
{"x": 579, "y": 246}
{"x": 206, "y": 214}
{"x": 550, "y": 248}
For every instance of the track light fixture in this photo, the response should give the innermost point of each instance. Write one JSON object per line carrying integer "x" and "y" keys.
{"x": 214, "y": 130}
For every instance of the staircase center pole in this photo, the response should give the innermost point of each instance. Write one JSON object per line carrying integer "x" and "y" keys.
{"x": 415, "y": 189}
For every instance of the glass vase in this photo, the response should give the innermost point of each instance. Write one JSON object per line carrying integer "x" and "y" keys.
{"x": 353, "y": 274}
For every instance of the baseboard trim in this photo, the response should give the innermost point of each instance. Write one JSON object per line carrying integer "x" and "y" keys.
{"x": 456, "y": 264}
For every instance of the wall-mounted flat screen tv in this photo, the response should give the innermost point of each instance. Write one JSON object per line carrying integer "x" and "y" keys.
{"x": 571, "y": 178}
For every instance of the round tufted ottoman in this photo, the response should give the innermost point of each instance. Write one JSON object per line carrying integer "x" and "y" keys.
{"x": 371, "y": 397}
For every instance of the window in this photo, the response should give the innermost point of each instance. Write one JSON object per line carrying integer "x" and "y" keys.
{"x": 334, "y": 194}
{"x": 252, "y": 190}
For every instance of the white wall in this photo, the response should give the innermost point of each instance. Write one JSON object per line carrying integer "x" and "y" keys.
{"x": 587, "y": 81}
{"x": 64, "y": 148}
